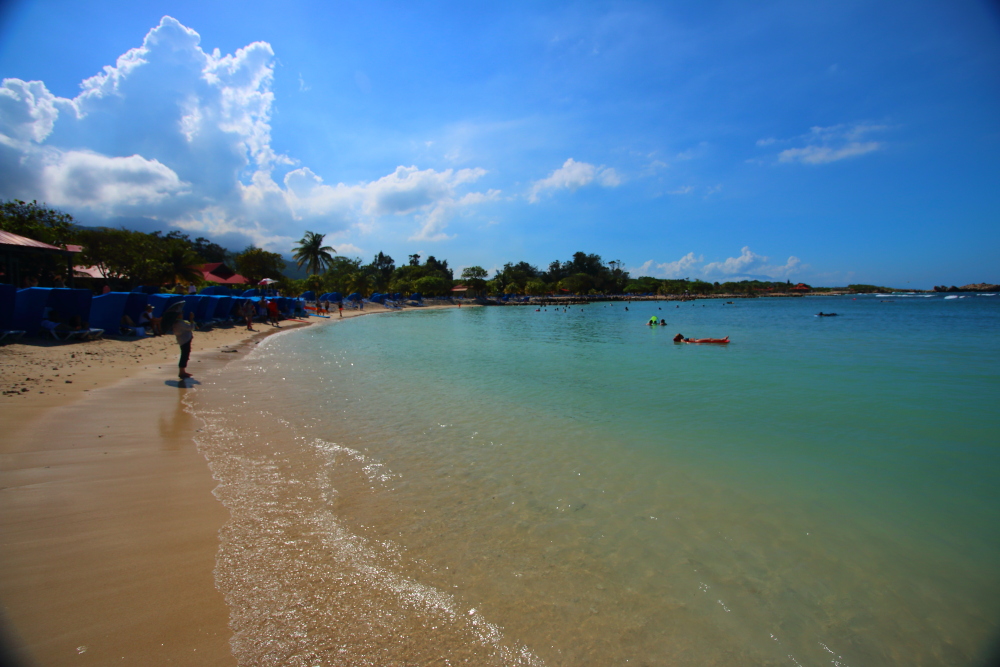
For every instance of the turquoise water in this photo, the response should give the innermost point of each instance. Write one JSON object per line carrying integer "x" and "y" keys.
{"x": 503, "y": 486}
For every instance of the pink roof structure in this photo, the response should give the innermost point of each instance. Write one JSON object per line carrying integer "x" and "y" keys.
{"x": 9, "y": 238}
{"x": 220, "y": 274}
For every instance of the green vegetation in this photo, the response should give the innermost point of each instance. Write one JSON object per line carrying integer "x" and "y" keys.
{"x": 255, "y": 264}
{"x": 312, "y": 253}
{"x": 128, "y": 258}
{"x": 36, "y": 221}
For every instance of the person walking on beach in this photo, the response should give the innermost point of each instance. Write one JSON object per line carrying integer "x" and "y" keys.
{"x": 272, "y": 313}
{"x": 174, "y": 322}
{"x": 340, "y": 308}
{"x": 248, "y": 313}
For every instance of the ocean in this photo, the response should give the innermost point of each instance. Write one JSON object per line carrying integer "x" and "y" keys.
{"x": 500, "y": 486}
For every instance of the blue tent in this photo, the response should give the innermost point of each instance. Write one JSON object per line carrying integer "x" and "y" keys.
{"x": 353, "y": 296}
{"x": 223, "y": 307}
{"x": 377, "y": 298}
{"x": 30, "y": 305}
{"x": 163, "y": 301}
{"x": 251, "y": 292}
{"x": 416, "y": 296}
{"x": 8, "y": 296}
{"x": 146, "y": 289}
{"x": 201, "y": 306}
{"x": 135, "y": 304}
{"x": 335, "y": 297}
{"x": 106, "y": 310}
{"x": 308, "y": 296}
{"x": 207, "y": 306}
{"x": 71, "y": 302}
{"x": 191, "y": 303}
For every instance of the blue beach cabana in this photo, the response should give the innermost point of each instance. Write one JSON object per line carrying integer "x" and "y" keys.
{"x": 8, "y": 295}
{"x": 106, "y": 310}
{"x": 222, "y": 308}
{"x": 30, "y": 304}
{"x": 135, "y": 304}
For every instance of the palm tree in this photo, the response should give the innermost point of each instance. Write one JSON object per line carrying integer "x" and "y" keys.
{"x": 180, "y": 263}
{"x": 312, "y": 253}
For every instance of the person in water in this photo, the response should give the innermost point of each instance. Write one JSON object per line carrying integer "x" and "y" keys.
{"x": 679, "y": 338}
{"x": 652, "y": 322}
{"x": 663, "y": 323}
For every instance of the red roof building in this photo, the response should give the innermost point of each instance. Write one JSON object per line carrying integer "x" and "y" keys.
{"x": 220, "y": 274}
{"x": 801, "y": 287}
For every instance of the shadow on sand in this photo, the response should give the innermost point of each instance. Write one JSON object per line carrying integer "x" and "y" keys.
{"x": 181, "y": 384}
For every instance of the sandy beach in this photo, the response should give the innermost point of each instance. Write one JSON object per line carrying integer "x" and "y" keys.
{"x": 109, "y": 526}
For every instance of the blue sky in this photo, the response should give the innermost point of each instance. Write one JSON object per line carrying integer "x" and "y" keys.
{"x": 829, "y": 142}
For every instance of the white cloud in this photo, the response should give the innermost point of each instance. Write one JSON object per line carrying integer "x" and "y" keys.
{"x": 431, "y": 195}
{"x": 573, "y": 175}
{"x": 679, "y": 269}
{"x": 191, "y": 147}
{"x": 109, "y": 183}
{"x": 824, "y": 154}
{"x": 747, "y": 265}
{"x": 750, "y": 264}
{"x": 683, "y": 190}
{"x": 830, "y": 144}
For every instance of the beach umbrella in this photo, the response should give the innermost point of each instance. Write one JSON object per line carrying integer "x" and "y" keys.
{"x": 268, "y": 281}
{"x": 171, "y": 315}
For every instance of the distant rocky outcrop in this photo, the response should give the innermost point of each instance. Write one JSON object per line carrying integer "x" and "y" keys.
{"x": 976, "y": 287}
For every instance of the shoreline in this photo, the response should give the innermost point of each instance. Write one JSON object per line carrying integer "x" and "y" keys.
{"x": 109, "y": 528}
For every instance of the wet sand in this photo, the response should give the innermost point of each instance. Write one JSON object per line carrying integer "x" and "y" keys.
{"x": 108, "y": 526}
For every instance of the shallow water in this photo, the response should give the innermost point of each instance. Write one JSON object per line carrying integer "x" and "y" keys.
{"x": 505, "y": 486}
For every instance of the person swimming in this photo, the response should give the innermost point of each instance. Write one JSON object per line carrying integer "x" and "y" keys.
{"x": 679, "y": 338}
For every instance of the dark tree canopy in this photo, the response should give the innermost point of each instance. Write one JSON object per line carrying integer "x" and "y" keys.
{"x": 36, "y": 221}
{"x": 255, "y": 264}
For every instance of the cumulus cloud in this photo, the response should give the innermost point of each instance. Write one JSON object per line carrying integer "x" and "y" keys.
{"x": 573, "y": 175}
{"x": 431, "y": 195}
{"x": 109, "y": 183}
{"x": 749, "y": 264}
{"x": 830, "y": 144}
{"x": 679, "y": 269}
{"x": 180, "y": 135}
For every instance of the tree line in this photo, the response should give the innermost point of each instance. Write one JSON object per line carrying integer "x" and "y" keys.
{"x": 128, "y": 258}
